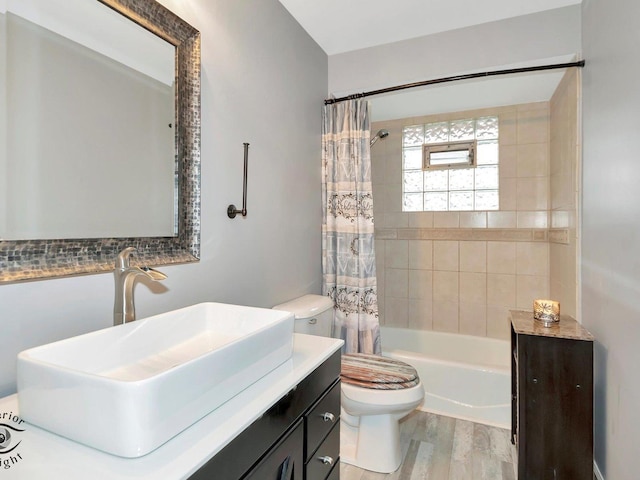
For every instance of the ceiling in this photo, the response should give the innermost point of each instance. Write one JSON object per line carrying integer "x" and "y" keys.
{"x": 344, "y": 25}
{"x": 340, "y": 26}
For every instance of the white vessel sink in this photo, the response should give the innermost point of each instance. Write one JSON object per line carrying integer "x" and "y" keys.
{"x": 128, "y": 389}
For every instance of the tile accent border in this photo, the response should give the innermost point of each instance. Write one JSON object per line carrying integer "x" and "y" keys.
{"x": 480, "y": 234}
{"x": 23, "y": 260}
{"x": 559, "y": 235}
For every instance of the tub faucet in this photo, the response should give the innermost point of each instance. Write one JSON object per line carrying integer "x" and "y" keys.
{"x": 124, "y": 307}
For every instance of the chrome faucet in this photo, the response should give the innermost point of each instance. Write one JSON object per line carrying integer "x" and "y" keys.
{"x": 124, "y": 307}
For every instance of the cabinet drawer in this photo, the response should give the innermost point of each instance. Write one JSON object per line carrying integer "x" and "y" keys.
{"x": 325, "y": 457}
{"x": 322, "y": 417}
{"x": 284, "y": 461}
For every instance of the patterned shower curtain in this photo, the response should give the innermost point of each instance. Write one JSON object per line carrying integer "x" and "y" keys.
{"x": 348, "y": 255}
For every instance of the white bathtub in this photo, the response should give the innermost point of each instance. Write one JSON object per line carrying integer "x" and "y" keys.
{"x": 463, "y": 376}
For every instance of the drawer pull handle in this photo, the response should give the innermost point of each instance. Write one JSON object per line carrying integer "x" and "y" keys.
{"x": 328, "y": 417}
{"x": 327, "y": 460}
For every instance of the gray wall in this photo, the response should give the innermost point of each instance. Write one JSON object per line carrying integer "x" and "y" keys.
{"x": 611, "y": 227}
{"x": 521, "y": 39}
{"x": 263, "y": 82}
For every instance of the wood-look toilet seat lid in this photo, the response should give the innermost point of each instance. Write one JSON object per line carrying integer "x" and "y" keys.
{"x": 377, "y": 372}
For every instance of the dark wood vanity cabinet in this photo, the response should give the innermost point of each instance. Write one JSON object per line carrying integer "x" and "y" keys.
{"x": 552, "y": 398}
{"x": 296, "y": 439}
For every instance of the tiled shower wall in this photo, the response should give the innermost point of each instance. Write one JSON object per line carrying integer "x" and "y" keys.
{"x": 462, "y": 271}
{"x": 564, "y": 191}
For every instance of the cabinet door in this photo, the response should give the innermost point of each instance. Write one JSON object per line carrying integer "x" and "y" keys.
{"x": 556, "y": 427}
{"x": 285, "y": 461}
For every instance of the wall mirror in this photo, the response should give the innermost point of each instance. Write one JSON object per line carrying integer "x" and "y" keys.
{"x": 99, "y": 136}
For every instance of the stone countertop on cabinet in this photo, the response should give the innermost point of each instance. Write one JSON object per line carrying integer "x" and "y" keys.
{"x": 46, "y": 455}
{"x": 524, "y": 324}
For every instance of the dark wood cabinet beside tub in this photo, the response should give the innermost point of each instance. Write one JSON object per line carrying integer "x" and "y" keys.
{"x": 298, "y": 438}
{"x": 552, "y": 398}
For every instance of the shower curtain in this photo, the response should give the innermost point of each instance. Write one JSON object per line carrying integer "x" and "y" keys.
{"x": 348, "y": 255}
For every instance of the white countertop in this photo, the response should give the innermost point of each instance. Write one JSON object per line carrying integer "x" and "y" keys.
{"x": 44, "y": 455}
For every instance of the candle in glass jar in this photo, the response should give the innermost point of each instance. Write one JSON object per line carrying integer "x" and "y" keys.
{"x": 546, "y": 311}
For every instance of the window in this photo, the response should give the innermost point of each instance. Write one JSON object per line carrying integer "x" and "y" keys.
{"x": 450, "y": 165}
{"x": 448, "y": 155}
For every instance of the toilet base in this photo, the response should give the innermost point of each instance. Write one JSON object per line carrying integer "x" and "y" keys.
{"x": 371, "y": 442}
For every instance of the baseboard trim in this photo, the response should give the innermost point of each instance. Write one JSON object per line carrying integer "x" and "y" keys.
{"x": 596, "y": 471}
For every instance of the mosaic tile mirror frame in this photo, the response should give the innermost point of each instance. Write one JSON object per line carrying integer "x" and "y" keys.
{"x": 22, "y": 260}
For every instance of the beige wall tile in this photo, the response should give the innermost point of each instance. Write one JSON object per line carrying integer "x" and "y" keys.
{"x": 568, "y": 305}
{"x": 396, "y": 283}
{"x": 386, "y": 233}
{"x": 396, "y": 254}
{"x": 379, "y": 244}
{"x": 395, "y": 220}
{"x": 532, "y": 258}
{"x": 421, "y": 254}
{"x": 473, "y": 219}
{"x": 508, "y": 128}
{"x": 393, "y": 166}
{"x": 533, "y": 160}
{"x": 532, "y": 219}
{"x": 508, "y": 194}
{"x": 445, "y": 255}
{"x": 501, "y": 289}
{"x": 498, "y": 325}
{"x": 473, "y": 288}
{"x": 445, "y": 286}
{"x": 396, "y": 313}
{"x": 533, "y": 193}
{"x": 501, "y": 257}
{"x": 393, "y": 198}
{"x": 525, "y": 107}
{"x": 421, "y": 284}
{"x": 563, "y": 192}
{"x": 445, "y": 316}
{"x": 378, "y": 176}
{"x": 473, "y": 319}
{"x": 410, "y": 233}
{"x": 420, "y": 219}
{"x": 473, "y": 256}
{"x": 508, "y": 160}
{"x": 533, "y": 126}
{"x": 555, "y": 292}
{"x": 446, "y": 219}
{"x": 501, "y": 219}
{"x": 530, "y": 288}
{"x": 420, "y": 314}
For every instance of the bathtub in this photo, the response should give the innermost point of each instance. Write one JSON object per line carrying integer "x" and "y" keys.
{"x": 463, "y": 376}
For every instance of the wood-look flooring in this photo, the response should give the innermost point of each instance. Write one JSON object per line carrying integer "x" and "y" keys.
{"x": 444, "y": 448}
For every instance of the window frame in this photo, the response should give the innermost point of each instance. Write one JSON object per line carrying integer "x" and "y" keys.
{"x": 429, "y": 148}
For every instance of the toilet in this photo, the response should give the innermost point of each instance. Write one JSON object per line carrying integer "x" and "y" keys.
{"x": 376, "y": 393}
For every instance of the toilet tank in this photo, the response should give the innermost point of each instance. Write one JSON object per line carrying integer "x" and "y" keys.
{"x": 313, "y": 314}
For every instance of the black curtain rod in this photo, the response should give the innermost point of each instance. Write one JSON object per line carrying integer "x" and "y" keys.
{"x": 455, "y": 78}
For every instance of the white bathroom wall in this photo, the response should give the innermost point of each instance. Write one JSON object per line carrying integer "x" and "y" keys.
{"x": 611, "y": 227}
{"x": 263, "y": 82}
{"x": 527, "y": 38}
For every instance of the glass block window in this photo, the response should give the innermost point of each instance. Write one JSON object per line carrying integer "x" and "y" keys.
{"x": 472, "y": 188}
